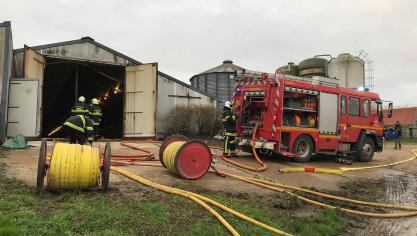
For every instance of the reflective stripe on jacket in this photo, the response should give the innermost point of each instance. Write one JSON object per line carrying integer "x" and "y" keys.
{"x": 90, "y": 129}
{"x": 230, "y": 134}
{"x": 229, "y": 121}
{"x": 95, "y": 113}
{"x": 76, "y": 122}
{"x": 79, "y": 108}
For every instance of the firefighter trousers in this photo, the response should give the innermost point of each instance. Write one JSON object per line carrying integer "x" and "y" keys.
{"x": 96, "y": 132}
{"x": 229, "y": 145}
{"x": 75, "y": 136}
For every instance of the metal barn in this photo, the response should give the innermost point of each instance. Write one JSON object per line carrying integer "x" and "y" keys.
{"x": 41, "y": 83}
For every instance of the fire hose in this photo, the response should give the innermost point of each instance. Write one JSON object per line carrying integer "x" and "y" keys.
{"x": 123, "y": 159}
{"x": 258, "y": 160}
{"x": 201, "y": 200}
{"x": 73, "y": 166}
{"x": 288, "y": 189}
{"x": 341, "y": 170}
{"x": 412, "y": 211}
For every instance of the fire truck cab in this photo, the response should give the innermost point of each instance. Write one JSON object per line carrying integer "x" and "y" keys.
{"x": 298, "y": 117}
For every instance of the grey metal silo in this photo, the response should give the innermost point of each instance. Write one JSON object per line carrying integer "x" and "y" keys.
{"x": 217, "y": 81}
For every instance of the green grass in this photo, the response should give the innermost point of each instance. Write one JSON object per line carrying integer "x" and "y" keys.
{"x": 321, "y": 223}
{"x": 24, "y": 212}
{"x": 405, "y": 140}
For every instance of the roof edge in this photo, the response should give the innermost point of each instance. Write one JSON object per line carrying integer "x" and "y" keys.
{"x": 85, "y": 39}
{"x": 187, "y": 85}
{"x": 6, "y": 24}
{"x": 88, "y": 39}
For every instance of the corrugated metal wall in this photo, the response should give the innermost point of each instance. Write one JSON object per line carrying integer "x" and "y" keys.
{"x": 171, "y": 94}
{"x": 215, "y": 84}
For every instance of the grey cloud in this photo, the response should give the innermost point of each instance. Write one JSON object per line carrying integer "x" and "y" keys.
{"x": 187, "y": 37}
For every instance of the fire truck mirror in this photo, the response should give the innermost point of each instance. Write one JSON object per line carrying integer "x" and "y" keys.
{"x": 390, "y": 109}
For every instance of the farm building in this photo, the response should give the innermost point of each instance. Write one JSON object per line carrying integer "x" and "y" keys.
{"x": 41, "y": 83}
{"x": 217, "y": 81}
{"x": 407, "y": 118}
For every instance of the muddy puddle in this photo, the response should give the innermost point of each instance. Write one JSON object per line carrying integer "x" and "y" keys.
{"x": 400, "y": 189}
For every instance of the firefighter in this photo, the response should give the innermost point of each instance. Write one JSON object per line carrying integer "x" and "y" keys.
{"x": 95, "y": 114}
{"x": 89, "y": 130}
{"x": 76, "y": 127}
{"x": 229, "y": 131}
{"x": 79, "y": 107}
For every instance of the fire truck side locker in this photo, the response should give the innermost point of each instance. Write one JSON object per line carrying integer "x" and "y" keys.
{"x": 328, "y": 122}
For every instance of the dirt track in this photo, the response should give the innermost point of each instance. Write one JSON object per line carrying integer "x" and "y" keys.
{"x": 401, "y": 179}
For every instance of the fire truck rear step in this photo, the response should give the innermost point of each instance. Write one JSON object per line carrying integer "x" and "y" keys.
{"x": 288, "y": 154}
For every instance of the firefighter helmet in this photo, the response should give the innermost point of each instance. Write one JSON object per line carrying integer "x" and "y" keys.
{"x": 228, "y": 104}
{"x": 94, "y": 101}
{"x": 81, "y": 99}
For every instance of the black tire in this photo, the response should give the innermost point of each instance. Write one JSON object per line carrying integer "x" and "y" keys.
{"x": 263, "y": 152}
{"x": 41, "y": 166}
{"x": 303, "y": 146}
{"x": 246, "y": 148}
{"x": 366, "y": 152}
{"x": 105, "y": 169}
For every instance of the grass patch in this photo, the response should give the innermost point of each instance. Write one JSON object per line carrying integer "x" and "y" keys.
{"x": 270, "y": 211}
{"x": 404, "y": 140}
{"x": 24, "y": 212}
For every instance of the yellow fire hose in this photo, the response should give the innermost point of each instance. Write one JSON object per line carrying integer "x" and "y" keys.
{"x": 73, "y": 167}
{"x": 341, "y": 170}
{"x": 281, "y": 187}
{"x": 78, "y": 167}
{"x": 329, "y": 196}
{"x": 311, "y": 170}
{"x": 169, "y": 155}
{"x": 201, "y": 201}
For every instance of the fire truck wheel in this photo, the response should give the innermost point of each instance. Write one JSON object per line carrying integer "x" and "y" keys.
{"x": 367, "y": 152}
{"x": 246, "y": 148}
{"x": 303, "y": 147}
{"x": 263, "y": 152}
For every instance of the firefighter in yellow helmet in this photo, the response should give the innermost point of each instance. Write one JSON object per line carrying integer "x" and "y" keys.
{"x": 229, "y": 130}
{"x": 79, "y": 108}
{"x": 95, "y": 114}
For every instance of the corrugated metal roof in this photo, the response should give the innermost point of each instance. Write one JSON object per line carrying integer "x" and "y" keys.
{"x": 406, "y": 116}
{"x": 227, "y": 66}
{"x": 131, "y": 60}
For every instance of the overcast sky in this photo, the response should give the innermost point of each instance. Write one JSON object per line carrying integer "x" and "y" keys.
{"x": 188, "y": 37}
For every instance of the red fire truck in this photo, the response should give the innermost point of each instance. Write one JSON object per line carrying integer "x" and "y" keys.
{"x": 298, "y": 117}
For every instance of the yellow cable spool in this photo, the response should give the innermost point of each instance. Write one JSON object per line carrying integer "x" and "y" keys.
{"x": 74, "y": 167}
{"x": 187, "y": 159}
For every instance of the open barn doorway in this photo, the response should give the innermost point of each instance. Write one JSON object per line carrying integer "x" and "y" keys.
{"x": 66, "y": 80}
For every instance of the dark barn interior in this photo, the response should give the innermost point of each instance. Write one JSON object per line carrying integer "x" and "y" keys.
{"x": 66, "y": 80}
